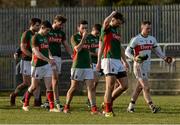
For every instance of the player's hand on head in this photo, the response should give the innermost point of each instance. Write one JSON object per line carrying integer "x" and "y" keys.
{"x": 114, "y": 12}
{"x": 168, "y": 59}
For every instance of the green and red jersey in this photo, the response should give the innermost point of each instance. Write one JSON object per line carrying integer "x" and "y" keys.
{"x": 111, "y": 40}
{"x": 81, "y": 59}
{"x": 26, "y": 39}
{"x": 55, "y": 38}
{"x": 94, "y": 45}
{"x": 42, "y": 43}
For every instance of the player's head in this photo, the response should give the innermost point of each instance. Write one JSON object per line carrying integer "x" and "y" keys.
{"x": 45, "y": 27}
{"x": 96, "y": 29}
{"x": 59, "y": 21}
{"x": 35, "y": 24}
{"x": 145, "y": 28}
{"x": 83, "y": 26}
{"x": 117, "y": 20}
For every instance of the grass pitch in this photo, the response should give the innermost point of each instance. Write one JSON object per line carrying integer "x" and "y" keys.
{"x": 170, "y": 112}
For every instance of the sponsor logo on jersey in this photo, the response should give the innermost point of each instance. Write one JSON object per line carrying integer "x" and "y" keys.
{"x": 146, "y": 47}
{"x": 116, "y": 36}
{"x": 94, "y": 45}
{"x": 55, "y": 39}
{"x": 86, "y": 46}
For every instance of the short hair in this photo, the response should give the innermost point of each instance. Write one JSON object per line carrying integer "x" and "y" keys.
{"x": 83, "y": 22}
{"x": 33, "y": 21}
{"x": 146, "y": 22}
{"x": 119, "y": 16}
{"x": 97, "y": 27}
{"x": 46, "y": 24}
{"x": 60, "y": 18}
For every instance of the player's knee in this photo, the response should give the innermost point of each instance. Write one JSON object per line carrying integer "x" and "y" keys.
{"x": 32, "y": 88}
{"x": 73, "y": 88}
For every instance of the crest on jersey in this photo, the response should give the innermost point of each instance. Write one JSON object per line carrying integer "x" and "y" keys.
{"x": 45, "y": 40}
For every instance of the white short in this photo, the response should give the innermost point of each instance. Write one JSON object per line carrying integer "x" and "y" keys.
{"x": 58, "y": 63}
{"x": 141, "y": 70}
{"x": 25, "y": 67}
{"x": 41, "y": 72}
{"x": 112, "y": 66}
{"x": 80, "y": 74}
{"x": 94, "y": 67}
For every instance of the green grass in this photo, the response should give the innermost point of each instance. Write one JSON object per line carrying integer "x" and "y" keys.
{"x": 170, "y": 113}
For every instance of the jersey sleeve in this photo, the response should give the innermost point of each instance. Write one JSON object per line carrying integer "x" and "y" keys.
{"x": 132, "y": 43}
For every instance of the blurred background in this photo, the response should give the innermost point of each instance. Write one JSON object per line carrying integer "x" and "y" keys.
{"x": 164, "y": 15}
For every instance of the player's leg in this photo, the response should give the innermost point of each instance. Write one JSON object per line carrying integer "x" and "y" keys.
{"x": 24, "y": 69}
{"x": 55, "y": 86}
{"x": 69, "y": 95}
{"x": 55, "y": 80}
{"x": 134, "y": 97}
{"x": 29, "y": 93}
{"x": 123, "y": 86}
{"x": 146, "y": 93}
{"x": 18, "y": 89}
{"x": 96, "y": 79}
{"x": 110, "y": 81}
{"x": 37, "y": 96}
{"x": 48, "y": 83}
{"x": 95, "y": 83}
{"x": 91, "y": 96}
{"x": 89, "y": 80}
{"x": 50, "y": 96}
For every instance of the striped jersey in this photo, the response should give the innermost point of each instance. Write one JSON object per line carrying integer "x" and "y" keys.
{"x": 94, "y": 45}
{"x": 26, "y": 39}
{"x": 42, "y": 43}
{"x": 111, "y": 40}
{"x": 143, "y": 46}
{"x": 55, "y": 39}
{"x": 81, "y": 59}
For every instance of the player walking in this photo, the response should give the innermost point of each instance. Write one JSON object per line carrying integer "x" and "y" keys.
{"x": 93, "y": 38}
{"x": 25, "y": 65}
{"x": 111, "y": 54}
{"x": 139, "y": 50}
{"x": 42, "y": 65}
{"x": 81, "y": 68}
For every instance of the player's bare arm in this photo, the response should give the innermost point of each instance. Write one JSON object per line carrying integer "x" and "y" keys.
{"x": 159, "y": 53}
{"x": 24, "y": 45}
{"x": 100, "y": 52}
{"x": 123, "y": 58}
{"x": 67, "y": 47}
{"x": 78, "y": 47}
{"x": 108, "y": 20}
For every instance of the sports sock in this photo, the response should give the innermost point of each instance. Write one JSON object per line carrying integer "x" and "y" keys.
{"x": 50, "y": 99}
{"x": 27, "y": 98}
{"x": 108, "y": 107}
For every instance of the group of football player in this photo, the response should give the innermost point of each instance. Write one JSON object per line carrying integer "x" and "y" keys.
{"x": 97, "y": 51}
